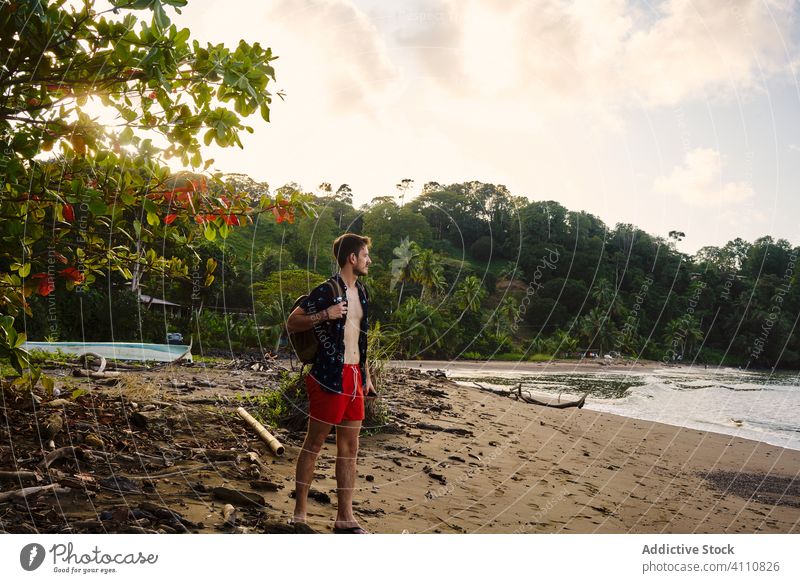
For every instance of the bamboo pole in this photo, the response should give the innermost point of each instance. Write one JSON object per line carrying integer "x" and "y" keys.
{"x": 265, "y": 435}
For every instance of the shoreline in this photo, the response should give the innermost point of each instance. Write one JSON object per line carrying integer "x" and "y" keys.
{"x": 457, "y": 371}
{"x": 566, "y": 365}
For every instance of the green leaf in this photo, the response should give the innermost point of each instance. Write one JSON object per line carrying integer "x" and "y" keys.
{"x": 152, "y": 219}
{"x": 210, "y": 232}
{"x": 77, "y": 393}
{"x": 128, "y": 115}
{"x": 126, "y": 136}
{"x": 48, "y": 383}
{"x": 98, "y": 207}
{"x": 21, "y": 338}
{"x": 137, "y": 228}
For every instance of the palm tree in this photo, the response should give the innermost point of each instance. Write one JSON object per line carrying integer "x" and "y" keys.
{"x": 595, "y": 326}
{"x": 673, "y": 333}
{"x": 428, "y": 272}
{"x": 470, "y": 294}
{"x": 418, "y": 327}
{"x": 693, "y": 333}
{"x": 566, "y": 342}
{"x": 604, "y": 293}
{"x": 403, "y": 265}
{"x": 507, "y": 313}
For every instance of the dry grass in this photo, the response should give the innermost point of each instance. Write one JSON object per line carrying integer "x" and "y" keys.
{"x": 135, "y": 388}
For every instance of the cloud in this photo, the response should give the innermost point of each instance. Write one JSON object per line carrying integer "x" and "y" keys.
{"x": 609, "y": 51}
{"x": 698, "y": 182}
{"x": 330, "y": 54}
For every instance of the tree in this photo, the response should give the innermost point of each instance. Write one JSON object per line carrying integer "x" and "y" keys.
{"x": 428, "y": 272}
{"x": 403, "y": 265}
{"x": 404, "y": 186}
{"x": 604, "y": 294}
{"x": 418, "y": 327}
{"x": 105, "y": 200}
{"x": 470, "y": 294}
{"x": 596, "y": 327}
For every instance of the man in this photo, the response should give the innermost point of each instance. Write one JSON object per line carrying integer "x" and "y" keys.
{"x": 339, "y": 379}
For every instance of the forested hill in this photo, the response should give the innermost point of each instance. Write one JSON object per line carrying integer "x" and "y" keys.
{"x": 470, "y": 269}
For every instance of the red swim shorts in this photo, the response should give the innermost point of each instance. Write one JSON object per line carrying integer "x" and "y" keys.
{"x": 334, "y": 408}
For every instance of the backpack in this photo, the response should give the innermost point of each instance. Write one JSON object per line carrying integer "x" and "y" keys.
{"x": 305, "y": 343}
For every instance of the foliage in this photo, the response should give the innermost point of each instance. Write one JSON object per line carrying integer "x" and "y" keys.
{"x": 104, "y": 205}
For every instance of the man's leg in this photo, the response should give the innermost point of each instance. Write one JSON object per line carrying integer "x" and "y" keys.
{"x": 346, "y": 453}
{"x": 315, "y": 439}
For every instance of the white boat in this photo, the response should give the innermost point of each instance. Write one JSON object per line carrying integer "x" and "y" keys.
{"x": 117, "y": 350}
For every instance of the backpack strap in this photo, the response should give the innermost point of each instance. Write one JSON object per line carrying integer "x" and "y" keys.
{"x": 335, "y": 286}
{"x": 363, "y": 288}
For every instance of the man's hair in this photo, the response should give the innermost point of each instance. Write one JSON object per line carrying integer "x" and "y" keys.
{"x": 349, "y": 243}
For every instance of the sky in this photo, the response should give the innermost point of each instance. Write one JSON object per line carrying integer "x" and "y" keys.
{"x": 672, "y": 115}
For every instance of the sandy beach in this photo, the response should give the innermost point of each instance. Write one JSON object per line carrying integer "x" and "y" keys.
{"x": 456, "y": 460}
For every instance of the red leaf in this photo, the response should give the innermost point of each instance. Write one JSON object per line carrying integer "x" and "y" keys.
{"x": 46, "y": 285}
{"x": 169, "y": 218}
{"x": 232, "y": 220}
{"x": 69, "y": 213}
{"x": 199, "y": 219}
{"x": 71, "y": 273}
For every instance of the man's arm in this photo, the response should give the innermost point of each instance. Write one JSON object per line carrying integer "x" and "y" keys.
{"x": 300, "y": 321}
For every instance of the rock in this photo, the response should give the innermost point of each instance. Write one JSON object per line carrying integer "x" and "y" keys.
{"x": 119, "y": 484}
{"x": 229, "y": 515}
{"x": 320, "y": 497}
{"x": 265, "y": 485}
{"x": 238, "y": 497}
{"x": 370, "y": 478}
{"x": 93, "y": 441}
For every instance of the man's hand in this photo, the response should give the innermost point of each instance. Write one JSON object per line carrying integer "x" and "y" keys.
{"x": 337, "y": 311}
{"x": 370, "y": 392}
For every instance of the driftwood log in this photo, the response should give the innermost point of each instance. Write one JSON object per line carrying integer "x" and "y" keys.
{"x": 20, "y": 477}
{"x": 262, "y": 432}
{"x": 528, "y": 399}
{"x": 69, "y": 451}
{"x": 82, "y": 372}
{"x": 26, "y": 493}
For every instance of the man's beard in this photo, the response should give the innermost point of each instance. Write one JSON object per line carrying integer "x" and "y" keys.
{"x": 359, "y": 272}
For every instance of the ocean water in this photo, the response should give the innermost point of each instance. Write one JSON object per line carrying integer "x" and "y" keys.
{"x": 751, "y": 405}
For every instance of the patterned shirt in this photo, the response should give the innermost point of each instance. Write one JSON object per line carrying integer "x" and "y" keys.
{"x": 329, "y": 364}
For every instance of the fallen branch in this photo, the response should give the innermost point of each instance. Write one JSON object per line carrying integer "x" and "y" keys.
{"x": 84, "y": 360}
{"x": 19, "y": 477}
{"x": 262, "y": 432}
{"x": 61, "y": 453}
{"x": 26, "y": 493}
{"x": 82, "y": 372}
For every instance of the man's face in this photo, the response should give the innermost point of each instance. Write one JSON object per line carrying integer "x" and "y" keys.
{"x": 362, "y": 262}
